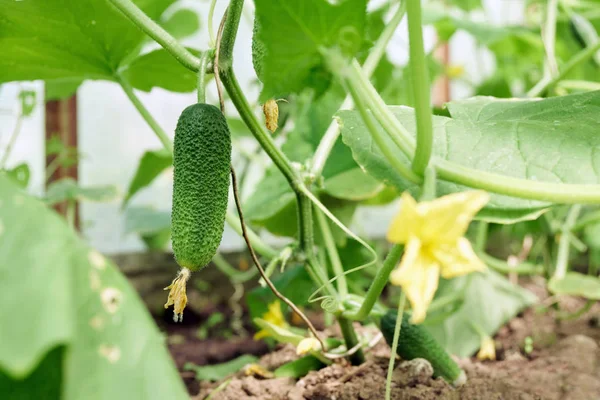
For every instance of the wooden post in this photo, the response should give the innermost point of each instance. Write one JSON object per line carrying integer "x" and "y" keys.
{"x": 441, "y": 89}
{"x": 61, "y": 122}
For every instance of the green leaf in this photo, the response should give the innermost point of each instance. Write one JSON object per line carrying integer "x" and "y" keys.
{"x": 68, "y": 189}
{"x": 294, "y": 283}
{"x": 238, "y": 128}
{"x": 220, "y": 371}
{"x": 160, "y": 69}
{"x": 27, "y": 98}
{"x": 20, "y": 175}
{"x": 550, "y": 140}
{"x": 270, "y": 196}
{"x": 146, "y": 220}
{"x": 466, "y": 5}
{"x": 152, "y": 164}
{"x": 183, "y": 23}
{"x": 490, "y": 301}
{"x": 298, "y": 368}
{"x": 62, "y": 88}
{"x": 66, "y": 294}
{"x": 575, "y": 284}
{"x": 354, "y": 185}
{"x": 153, "y": 226}
{"x": 294, "y": 32}
{"x": 49, "y": 39}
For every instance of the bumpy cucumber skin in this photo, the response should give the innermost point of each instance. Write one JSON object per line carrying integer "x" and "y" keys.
{"x": 201, "y": 158}
{"x": 416, "y": 342}
{"x": 258, "y": 50}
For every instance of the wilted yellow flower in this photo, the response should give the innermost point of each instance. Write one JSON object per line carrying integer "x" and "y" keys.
{"x": 257, "y": 370}
{"x": 177, "y": 294}
{"x": 487, "y": 350}
{"x": 273, "y": 316}
{"x": 433, "y": 235}
{"x": 307, "y": 345}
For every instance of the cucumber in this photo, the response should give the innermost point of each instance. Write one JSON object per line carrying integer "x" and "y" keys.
{"x": 416, "y": 342}
{"x": 201, "y": 158}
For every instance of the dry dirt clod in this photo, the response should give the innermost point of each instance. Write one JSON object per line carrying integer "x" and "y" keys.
{"x": 413, "y": 372}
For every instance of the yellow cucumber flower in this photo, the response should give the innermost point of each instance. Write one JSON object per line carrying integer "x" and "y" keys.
{"x": 273, "y": 316}
{"x": 487, "y": 350}
{"x": 433, "y": 235}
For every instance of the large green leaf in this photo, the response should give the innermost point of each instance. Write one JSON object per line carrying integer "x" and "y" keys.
{"x": 575, "y": 284}
{"x": 159, "y": 69}
{"x": 57, "y": 292}
{"x": 489, "y": 302}
{"x": 152, "y": 164}
{"x": 552, "y": 140}
{"x": 294, "y": 33}
{"x": 49, "y": 39}
{"x": 184, "y": 22}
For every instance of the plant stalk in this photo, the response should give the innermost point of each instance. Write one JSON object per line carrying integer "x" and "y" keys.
{"x": 351, "y": 340}
{"x": 397, "y": 328}
{"x": 564, "y": 243}
{"x": 450, "y": 171}
{"x": 160, "y": 133}
{"x": 334, "y": 257}
{"x": 421, "y": 89}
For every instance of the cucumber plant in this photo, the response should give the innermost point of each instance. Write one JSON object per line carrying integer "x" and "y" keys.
{"x": 520, "y": 159}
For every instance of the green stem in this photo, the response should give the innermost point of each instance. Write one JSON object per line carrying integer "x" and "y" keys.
{"x": 11, "y": 141}
{"x": 257, "y": 243}
{"x": 334, "y": 257}
{"x": 482, "y": 235}
{"x": 450, "y": 171}
{"x": 202, "y": 77}
{"x": 588, "y": 219}
{"x": 211, "y": 30}
{"x": 579, "y": 85}
{"x": 230, "y": 29}
{"x": 264, "y": 139}
{"x": 578, "y": 59}
{"x": 550, "y": 37}
{"x": 235, "y": 275}
{"x": 379, "y": 283}
{"x": 429, "y": 188}
{"x": 160, "y": 133}
{"x": 333, "y": 131}
{"x": 397, "y": 328}
{"x": 351, "y": 340}
{"x": 307, "y": 242}
{"x": 157, "y": 33}
{"x": 420, "y": 88}
{"x": 564, "y": 243}
{"x": 523, "y": 268}
{"x": 378, "y": 136}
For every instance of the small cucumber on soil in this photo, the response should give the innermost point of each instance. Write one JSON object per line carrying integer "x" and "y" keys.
{"x": 416, "y": 342}
{"x": 202, "y": 158}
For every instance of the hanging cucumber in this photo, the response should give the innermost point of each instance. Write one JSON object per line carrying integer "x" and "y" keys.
{"x": 416, "y": 342}
{"x": 201, "y": 158}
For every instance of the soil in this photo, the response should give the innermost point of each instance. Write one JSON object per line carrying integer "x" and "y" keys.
{"x": 564, "y": 364}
